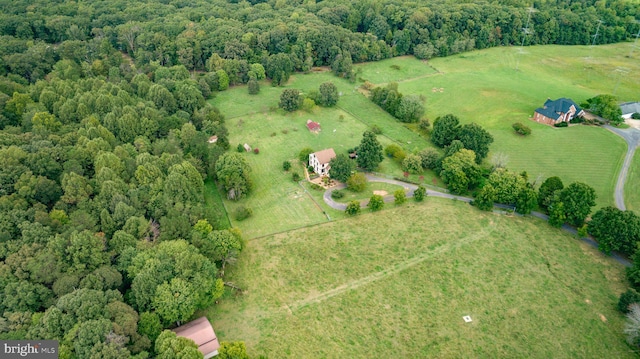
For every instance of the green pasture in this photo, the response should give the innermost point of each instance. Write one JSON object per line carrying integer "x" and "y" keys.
{"x": 632, "y": 186}
{"x": 213, "y": 199}
{"x": 398, "y": 282}
{"x": 394, "y": 70}
{"x": 371, "y": 189}
{"x": 484, "y": 87}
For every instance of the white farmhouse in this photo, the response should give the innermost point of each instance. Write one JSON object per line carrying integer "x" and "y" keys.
{"x": 320, "y": 161}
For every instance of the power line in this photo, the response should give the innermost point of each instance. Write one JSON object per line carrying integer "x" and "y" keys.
{"x": 525, "y": 32}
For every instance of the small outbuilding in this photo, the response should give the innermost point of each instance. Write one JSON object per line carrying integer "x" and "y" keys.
{"x": 556, "y": 111}
{"x": 313, "y": 126}
{"x": 247, "y": 147}
{"x": 213, "y": 139}
{"x": 320, "y": 161}
{"x": 629, "y": 108}
{"x": 201, "y": 332}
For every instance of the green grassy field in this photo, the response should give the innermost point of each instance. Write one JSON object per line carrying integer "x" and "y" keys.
{"x": 397, "y": 283}
{"x": 372, "y": 187}
{"x": 484, "y": 87}
{"x": 632, "y": 186}
{"x": 480, "y": 86}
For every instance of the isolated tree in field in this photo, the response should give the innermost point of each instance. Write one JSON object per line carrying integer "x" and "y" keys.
{"x": 353, "y": 208}
{"x": 615, "y": 230}
{"x": 233, "y": 173}
{"x": 605, "y": 106}
{"x": 547, "y": 189}
{"x": 419, "y": 193}
{"x": 357, "y": 182}
{"x": 341, "y": 167}
{"x": 369, "y": 152}
{"x": 290, "y": 100}
{"x": 329, "y": 95}
{"x": 399, "y": 196}
{"x": 445, "y": 130}
{"x": 477, "y": 139}
{"x": 577, "y": 199}
{"x": 253, "y": 87}
{"x": 286, "y": 165}
{"x": 376, "y": 203}
{"x": 460, "y": 171}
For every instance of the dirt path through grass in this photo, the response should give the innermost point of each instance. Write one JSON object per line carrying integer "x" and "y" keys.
{"x": 317, "y": 298}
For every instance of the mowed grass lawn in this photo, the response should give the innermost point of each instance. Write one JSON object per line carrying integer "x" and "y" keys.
{"x": 484, "y": 87}
{"x": 397, "y": 283}
{"x": 632, "y": 186}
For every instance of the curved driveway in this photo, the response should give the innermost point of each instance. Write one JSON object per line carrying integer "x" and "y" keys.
{"x": 411, "y": 187}
{"x": 632, "y": 137}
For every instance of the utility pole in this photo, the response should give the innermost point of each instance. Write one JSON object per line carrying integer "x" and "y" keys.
{"x": 525, "y": 32}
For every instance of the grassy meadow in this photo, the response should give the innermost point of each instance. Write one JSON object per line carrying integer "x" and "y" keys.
{"x": 484, "y": 87}
{"x": 480, "y": 86}
{"x": 632, "y": 186}
{"x": 397, "y": 283}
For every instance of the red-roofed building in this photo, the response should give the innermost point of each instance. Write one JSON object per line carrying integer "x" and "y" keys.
{"x": 313, "y": 126}
{"x": 201, "y": 332}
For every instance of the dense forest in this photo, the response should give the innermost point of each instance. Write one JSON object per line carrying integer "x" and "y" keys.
{"x": 104, "y": 236}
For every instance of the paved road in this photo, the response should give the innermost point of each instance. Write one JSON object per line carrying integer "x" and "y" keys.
{"x": 632, "y": 137}
{"x": 411, "y": 187}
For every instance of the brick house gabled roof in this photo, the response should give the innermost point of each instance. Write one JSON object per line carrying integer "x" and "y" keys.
{"x": 556, "y": 108}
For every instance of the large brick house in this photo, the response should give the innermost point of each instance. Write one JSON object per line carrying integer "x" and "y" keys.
{"x": 556, "y": 111}
{"x": 320, "y": 161}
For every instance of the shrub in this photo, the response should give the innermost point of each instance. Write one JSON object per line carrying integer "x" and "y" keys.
{"x": 430, "y": 158}
{"x": 337, "y": 194}
{"x": 376, "y": 203}
{"x": 521, "y": 129}
{"x": 295, "y": 176}
{"x": 357, "y": 182}
{"x": 561, "y": 124}
{"x": 310, "y": 169}
{"x": 395, "y": 151}
{"x": 353, "y": 208}
{"x": 626, "y": 299}
{"x": 256, "y": 150}
{"x": 303, "y": 156}
{"x": 286, "y": 165}
{"x": 240, "y": 147}
{"x": 636, "y": 116}
{"x": 419, "y": 193}
{"x": 253, "y": 87}
{"x": 395, "y": 67}
{"x": 241, "y": 213}
{"x": 412, "y": 164}
{"x": 424, "y": 124}
{"x": 308, "y": 104}
{"x": 376, "y": 129}
{"x": 400, "y": 196}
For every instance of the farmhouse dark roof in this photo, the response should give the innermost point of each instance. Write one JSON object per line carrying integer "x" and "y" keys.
{"x": 201, "y": 332}
{"x": 630, "y": 107}
{"x": 555, "y": 109}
